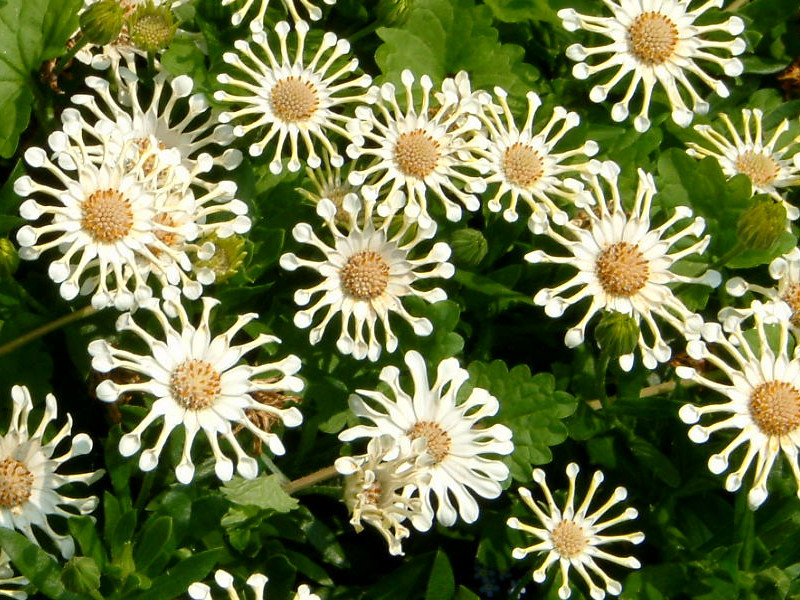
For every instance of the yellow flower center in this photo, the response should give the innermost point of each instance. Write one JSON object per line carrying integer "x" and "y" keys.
{"x": 792, "y": 297}
{"x": 195, "y": 384}
{"x": 652, "y": 37}
{"x": 775, "y": 408}
{"x": 416, "y": 154}
{"x": 294, "y": 100}
{"x": 758, "y": 166}
{"x": 366, "y": 275}
{"x": 372, "y": 495}
{"x": 522, "y": 165}
{"x": 168, "y": 238}
{"x": 438, "y": 439}
{"x": 568, "y": 539}
{"x": 16, "y": 483}
{"x": 622, "y": 269}
{"x": 107, "y": 216}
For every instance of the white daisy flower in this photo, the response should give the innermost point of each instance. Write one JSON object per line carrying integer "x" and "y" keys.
{"x": 781, "y": 299}
{"x": 369, "y": 267}
{"x": 7, "y": 578}
{"x": 257, "y": 22}
{"x": 329, "y": 182}
{"x": 763, "y": 401}
{"x": 256, "y": 582}
{"x": 573, "y": 538}
{"x": 525, "y": 165}
{"x": 291, "y": 97}
{"x": 625, "y": 266}
{"x": 198, "y": 382}
{"x": 770, "y": 169}
{"x": 379, "y": 486}
{"x": 656, "y": 41}
{"x": 28, "y": 477}
{"x": 416, "y": 151}
{"x": 454, "y": 441}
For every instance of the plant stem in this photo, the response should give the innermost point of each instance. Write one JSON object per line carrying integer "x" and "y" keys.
{"x": 601, "y": 368}
{"x": 736, "y": 5}
{"x": 66, "y": 58}
{"x": 47, "y": 328}
{"x": 363, "y": 32}
{"x": 310, "y": 479}
{"x": 646, "y": 392}
{"x": 275, "y": 469}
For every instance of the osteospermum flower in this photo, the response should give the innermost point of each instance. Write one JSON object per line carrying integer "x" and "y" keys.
{"x": 417, "y": 151}
{"x": 256, "y": 582}
{"x": 257, "y": 22}
{"x": 781, "y": 299}
{"x": 526, "y": 165}
{"x": 763, "y": 397}
{"x": 573, "y": 537}
{"x": 379, "y": 487}
{"x": 625, "y": 266}
{"x": 291, "y": 97}
{"x": 329, "y": 182}
{"x": 656, "y": 41}
{"x": 770, "y": 169}
{"x": 7, "y": 578}
{"x": 199, "y": 382}
{"x": 368, "y": 269}
{"x": 28, "y": 472}
{"x": 455, "y": 441}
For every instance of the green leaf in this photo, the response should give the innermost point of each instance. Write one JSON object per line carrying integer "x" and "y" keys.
{"x": 264, "y": 492}
{"x": 31, "y": 31}
{"x": 34, "y": 563}
{"x": 531, "y": 407}
{"x": 441, "y": 583}
{"x": 175, "y": 582}
{"x": 514, "y": 11}
{"x": 85, "y": 532}
{"x": 153, "y": 541}
{"x": 81, "y": 575}
{"x": 657, "y": 462}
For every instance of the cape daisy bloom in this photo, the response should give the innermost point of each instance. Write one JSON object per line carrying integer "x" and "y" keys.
{"x": 527, "y": 166}
{"x": 771, "y": 169}
{"x": 455, "y": 442}
{"x": 762, "y": 401}
{"x": 419, "y": 151}
{"x": 257, "y": 22}
{"x": 573, "y": 537}
{"x": 625, "y": 266}
{"x": 199, "y": 382}
{"x": 293, "y": 98}
{"x": 369, "y": 267}
{"x": 256, "y": 582}
{"x": 656, "y": 41}
{"x": 7, "y": 578}
{"x": 28, "y": 472}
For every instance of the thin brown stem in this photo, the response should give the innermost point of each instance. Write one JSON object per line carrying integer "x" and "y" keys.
{"x": 647, "y": 392}
{"x": 311, "y": 479}
{"x": 47, "y": 328}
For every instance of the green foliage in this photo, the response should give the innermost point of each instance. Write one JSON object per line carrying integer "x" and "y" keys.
{"x": 264, "y": 492}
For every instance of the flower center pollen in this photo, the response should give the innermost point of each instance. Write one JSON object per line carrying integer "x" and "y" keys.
{"x": 366, "y": 275}
{"x": 622, "y": 269}
{"x": 568, "y": 539}
{"x": 775, "y": 407}
{"x": 195, "y": 384}
{"x": 416, "y": 154}
{"x": 293, "y": 100}
{"x": 438, "y": 439}
{"x": 792, "y": 297}
{"x": 16, "y": 483}
{"x": 522, "y": 165}
{"x": 652, "y": 37}
{"x": 759, "y": 167}
{"x": 107, "y": 216}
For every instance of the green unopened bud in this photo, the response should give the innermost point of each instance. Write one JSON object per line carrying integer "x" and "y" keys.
{"x": 617, "y": 334}
{"x": 151, "y": 27}
{"x": 229, "y": 254}
{"x": 9, "y": 258}
{"x": 762, "y": 224}
{"x": 102, "y": 21}
{"x": 394, "y": 13}
{"x": 81, "y": 575}
{"x": 469, "y": 247}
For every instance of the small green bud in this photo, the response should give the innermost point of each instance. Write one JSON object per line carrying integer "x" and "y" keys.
{"x": 151, "y": 27}
{"x": 394, "y": 13}
{"x": 617, "y": 334}
{"x": 9, "y": 258}
{"x": 469, "y": 246}
{"x": 101, "y": 22}
{"x": 762, "y": 224}
{"x": 81, "y": 575}
{"x": 229, "y": 254}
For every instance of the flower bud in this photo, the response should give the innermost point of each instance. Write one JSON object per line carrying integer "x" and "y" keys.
{"x": 9, "y": 258}
{"x": 617, "y": 333}
{"x": 762, "y": 224}
{"x": 469, "y": 246}
{"x": 102, "y": 21}
{"x": 151, "y": 27}
{"x": 229, "y": 254}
